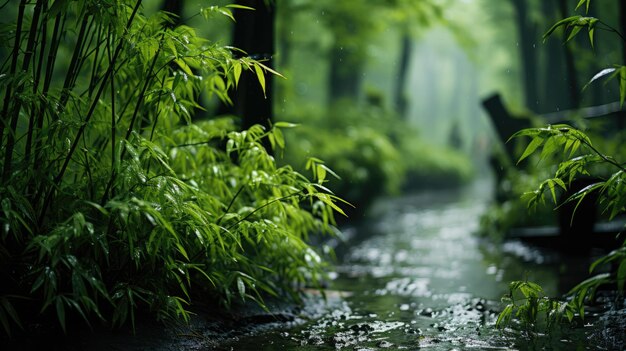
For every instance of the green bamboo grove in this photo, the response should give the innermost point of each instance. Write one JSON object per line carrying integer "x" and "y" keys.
{"x": 114, "y": 197}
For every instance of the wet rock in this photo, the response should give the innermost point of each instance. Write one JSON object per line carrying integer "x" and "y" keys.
{"x": 315, "y": 340}
{"x": 427, "y": 312}
{"x": 384, "y": 344}
{"x": 362, "y": 328}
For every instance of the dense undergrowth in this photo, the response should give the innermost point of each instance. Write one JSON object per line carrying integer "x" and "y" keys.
{"x": 375, "y": 153}
{"x": 113, "y": 198}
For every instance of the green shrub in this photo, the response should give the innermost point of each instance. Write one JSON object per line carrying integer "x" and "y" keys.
{"x": 374, "y": 151}
{"x": 113, "y": 199}
{"x": 576, "y": 156}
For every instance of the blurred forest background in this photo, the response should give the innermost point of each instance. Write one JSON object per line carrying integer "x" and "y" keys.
{"x": 388, "y": 93}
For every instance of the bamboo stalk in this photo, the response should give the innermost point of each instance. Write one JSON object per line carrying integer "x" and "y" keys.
{"x": 133, "y": 119}
{"x": 16, "y": 52}
{"x": 113, "y": 121}
{"x": 36, "y": 106}
{"x": 72, "y": 70}
{"x": 81, "y": 130}
{"x": 59, "y": 24}
{"x": 15, "y": 112}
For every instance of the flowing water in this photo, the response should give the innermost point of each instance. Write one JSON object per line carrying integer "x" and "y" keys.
{"x": 412, "y": 276}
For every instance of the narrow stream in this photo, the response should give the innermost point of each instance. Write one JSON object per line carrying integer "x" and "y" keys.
{"x": 414, "y": 277}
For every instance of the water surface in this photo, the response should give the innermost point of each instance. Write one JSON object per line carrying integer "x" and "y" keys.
{"x": 413, "y": 276}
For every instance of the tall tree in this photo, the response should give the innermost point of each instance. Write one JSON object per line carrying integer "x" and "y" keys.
{"x": 622, "y": 23}
{"x": 352, "y": 25}
{"x": 573, "y": 88}
{"x": 527, "y": 31}
{"x": 409, "y": 16}
{"x": 254, "y": 34}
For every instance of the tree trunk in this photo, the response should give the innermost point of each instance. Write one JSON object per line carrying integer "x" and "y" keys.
{"x": 401, "y": 102}
{"x": 527, "y": 35}
{"x": 622, "y": 24}
{"x": 552, "y": 93}
{"x": 345, "y": 74}
{"x": 570, "y": 66}
{"x": 254, "y": 33}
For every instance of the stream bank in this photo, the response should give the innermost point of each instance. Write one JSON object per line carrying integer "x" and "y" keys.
{"x": 411, "y": 276}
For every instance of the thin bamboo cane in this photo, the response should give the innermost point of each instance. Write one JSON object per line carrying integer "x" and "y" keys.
{"x": 81, "y": 130}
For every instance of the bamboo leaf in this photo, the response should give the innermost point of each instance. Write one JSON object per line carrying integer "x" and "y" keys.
{"x": 183, "y": 65}
{"x": 331, "y": 172}
{"x": 60, "y": 308}
{"x": 260, "y": 76}
{"x": 504, "y": 316}
{"x": 9, "y": 310}
{"x": 592, "y": 28}
{"x": 265, "y": 67}
{"x": 581, "y": 2}
{"x": 237, "y": 6}
{"x": 599, "y": 75}
{"x": 226, "y": 12}
{"x": 282, "y": 124}
{"x": 573, "y": 32}
{"x": 532, "y": 146}
{"x": 552, "y": 190}
{"x": 280, "y": 139}
{"x": 241, "y": 288}
{"x": 237, "y": 72}
{"x": 321, "y": 173}
{"x": 565, "y": 21}
{"x": 182, "y": 250}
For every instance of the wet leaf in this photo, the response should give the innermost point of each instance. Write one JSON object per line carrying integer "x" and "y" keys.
{"x": 237, "y": 6}
{"x": 532, "y": 146}
{"x": 282, "y": 124}
{"x": 183, "y": 65}
{"x": 237, "y": 72}
{"x": 260, "y": 76}
{"x": 60, "y": 308}
{"x": 599, "y": 75}
{"x": 573, "y": 32}
{"x": 505, "y": 316}
{"x": 564, "y": 22}
{"x": 241, "y": 287}
{"x": 581, "y": 2}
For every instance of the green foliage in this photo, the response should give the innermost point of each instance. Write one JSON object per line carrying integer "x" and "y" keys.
{"x": 577, "y": 157}
{"x": 562, "y": 139}
{"x": 369, "y": 164}
{"x": 375, "y": 153}
{"x": 429, "y": 165}
{"x": 114, "y": 197}
{"x": 574, "y": 25}
{"x": 582, "y": 159}
{"x": 527, "y": 302}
